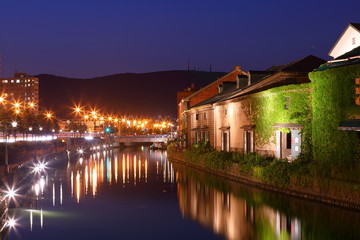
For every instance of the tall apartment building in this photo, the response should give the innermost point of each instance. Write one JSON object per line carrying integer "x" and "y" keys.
{"x": 21, "y": 88}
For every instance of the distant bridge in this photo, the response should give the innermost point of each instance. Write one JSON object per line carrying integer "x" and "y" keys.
{"x": 142, "y": 138}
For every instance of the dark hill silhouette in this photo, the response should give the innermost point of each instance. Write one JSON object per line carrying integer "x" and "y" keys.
{"x": 145, "y": 94}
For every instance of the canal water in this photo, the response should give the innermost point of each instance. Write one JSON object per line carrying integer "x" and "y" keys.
{"x": 139, "y": 194}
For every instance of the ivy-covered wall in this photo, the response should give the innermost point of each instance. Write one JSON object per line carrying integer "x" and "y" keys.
{"x": 333, "y": 101}
{"x": 286, "y": 104}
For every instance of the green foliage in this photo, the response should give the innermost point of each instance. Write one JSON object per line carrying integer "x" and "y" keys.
{"x": 251, "y": 161}
{"x": 218, "y": 160}
{"x": 334, "y": 101}
{"x": 286, "y": 104}
{"x": 202, "y": 146}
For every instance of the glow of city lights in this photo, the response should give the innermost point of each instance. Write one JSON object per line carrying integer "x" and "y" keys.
{"x": 37, "y": 189}
{"x": 14, "y": 124}
{"x": 17, "y": 111}
{"x": 16, "y": 104}
{"x": 2, "y": 99}
{"x": 30, "y": 128}
{"x": 11, "y": 222}
{"x": 10, "y": 194}
{"x": 31, "y": 104}
{"x": 86, "y": 117}
{"x": 80, "y": 151}
{"x": 42, "y": 184}
{"x": 48, "y": 115}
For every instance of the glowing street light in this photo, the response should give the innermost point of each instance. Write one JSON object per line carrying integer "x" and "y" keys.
{"x": 16, "y": 105}
{"x": 31, "y": 104}
{"x": 48, "y": 115}
{"x": 14, "y": 124}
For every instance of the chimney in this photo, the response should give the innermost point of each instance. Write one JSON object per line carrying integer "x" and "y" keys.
{"x": 237, "y": 68}
{"x": 237, "y": 82}
{"x": 249, "y": 78}
{"x": 221, "y": 88}
{"x": 192, "y": 86}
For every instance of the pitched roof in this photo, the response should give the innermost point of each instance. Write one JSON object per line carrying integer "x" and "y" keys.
{"x": 302, "y": 66}
{"x": 241, "y": 72}
{"x": 305, "y": 64}
{"x": 218, "y": 97}
{"x": 354, "y": 25}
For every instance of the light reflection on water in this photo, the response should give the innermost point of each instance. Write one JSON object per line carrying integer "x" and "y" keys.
{"x": 239, "y": 212}
{"x": 219, "y": 207}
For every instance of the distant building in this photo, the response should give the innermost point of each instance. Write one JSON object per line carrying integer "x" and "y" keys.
{"x": 21, "y": 88}
{"x": 348, "y": 40}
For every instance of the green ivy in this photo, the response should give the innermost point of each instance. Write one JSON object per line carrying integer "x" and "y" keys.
{"x": 286, "y": 104}
{"x": 333, "y": 101}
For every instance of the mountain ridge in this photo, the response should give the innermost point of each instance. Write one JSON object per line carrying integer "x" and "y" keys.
{"x": 150, "y": 94}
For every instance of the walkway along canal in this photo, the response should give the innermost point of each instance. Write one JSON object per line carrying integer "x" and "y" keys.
{"x": 140, "y": 194}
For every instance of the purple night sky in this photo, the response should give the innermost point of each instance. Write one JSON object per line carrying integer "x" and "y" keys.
{"x": 88, "y": 38}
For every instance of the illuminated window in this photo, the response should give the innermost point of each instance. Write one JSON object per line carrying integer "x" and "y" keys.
{"x": 225, "y": 112}
{"x": 197, "y": 116}
{"x": 17, "y": 80}
{"x": 12, "y": 80}
{"x": 357, "y": 91}
{"x": 5, "y": 81}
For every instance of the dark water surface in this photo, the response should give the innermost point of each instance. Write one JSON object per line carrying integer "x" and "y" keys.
{"x": 139, "y": 194}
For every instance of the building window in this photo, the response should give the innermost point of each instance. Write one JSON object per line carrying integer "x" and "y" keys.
{"x": 12, "y": 80}
{"x": 205, "y": 116}
{"x": 18, "y": 81}
{"x": 197, "y": 116}
{"x": 287, "y": 103}
{"x": 225, "y": 112}
{"x": 357, "y": 91}
{"x": 288, "y": 140}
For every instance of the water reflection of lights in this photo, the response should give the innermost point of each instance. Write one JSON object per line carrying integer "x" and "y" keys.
{"x": 111, "y": 168}
{"x": 78, "y": 187}
{"x": 39, "y": 167}
{"x": 10, "y": 194}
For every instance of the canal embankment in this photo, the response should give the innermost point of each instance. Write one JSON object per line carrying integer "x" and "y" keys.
{"x": 22, "y": 151}
{"x": 294, "y": 179}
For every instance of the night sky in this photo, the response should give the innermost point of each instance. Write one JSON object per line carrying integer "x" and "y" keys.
{"x": 89, "y": 38}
